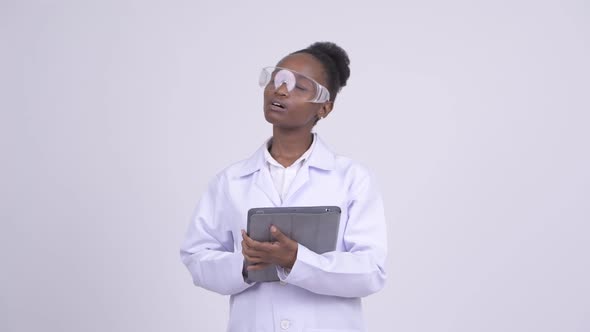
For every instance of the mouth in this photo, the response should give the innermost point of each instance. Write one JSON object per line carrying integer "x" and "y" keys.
{"x": 276, "y": 106}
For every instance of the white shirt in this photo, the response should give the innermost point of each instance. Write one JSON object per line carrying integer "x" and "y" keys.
{"x": 322, "y": 292}
{"x": 282, "y": 176}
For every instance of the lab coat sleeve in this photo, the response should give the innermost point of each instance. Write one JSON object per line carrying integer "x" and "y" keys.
{"x": 360, "y": 270}
{"x": 208, "y": 249}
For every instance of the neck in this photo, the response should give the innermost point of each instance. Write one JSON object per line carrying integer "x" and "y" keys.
{"x": 288, "y": 146}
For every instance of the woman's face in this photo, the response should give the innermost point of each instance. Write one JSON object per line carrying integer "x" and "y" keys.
{"x": 282, "y": 108}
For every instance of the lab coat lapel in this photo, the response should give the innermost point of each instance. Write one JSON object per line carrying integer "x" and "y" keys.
{"x": 321, "y": 158}
{"x": 256, "y": 166}
{"x": 264, "y": 182}
{"x": 300, "y": 180}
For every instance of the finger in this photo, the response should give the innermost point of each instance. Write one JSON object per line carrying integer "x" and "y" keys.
{"x": 254, "y": 260}
{"x": 249, "y": 250}
{"x": 277, "y": 234}
{"x": 249, "y": 241}
{"x": 256, "y": 267}
{"x": 245, "y": 236}
{"x": 255, "y": 248}
{"x": 253, "y": 253}
{"x": 259, "y": 246}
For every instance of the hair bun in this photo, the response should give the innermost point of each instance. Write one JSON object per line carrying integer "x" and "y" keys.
{"x": 338, "y": 57}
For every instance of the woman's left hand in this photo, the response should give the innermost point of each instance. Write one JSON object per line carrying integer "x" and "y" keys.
{"x": 282, "y": 252}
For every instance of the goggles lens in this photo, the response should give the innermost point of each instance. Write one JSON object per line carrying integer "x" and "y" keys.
{"x": 298, "y": 85}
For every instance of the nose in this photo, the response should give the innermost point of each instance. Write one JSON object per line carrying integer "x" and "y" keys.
{"x": 282, "y": 90}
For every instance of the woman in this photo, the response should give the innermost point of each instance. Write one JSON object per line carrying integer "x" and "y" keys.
{"x": 293, "y": 168}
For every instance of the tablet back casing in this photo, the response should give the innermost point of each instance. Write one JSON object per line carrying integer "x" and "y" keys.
{"x": 315, "y": 227}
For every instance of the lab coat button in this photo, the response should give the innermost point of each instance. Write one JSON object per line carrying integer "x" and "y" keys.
{"x": 285, "y": 324}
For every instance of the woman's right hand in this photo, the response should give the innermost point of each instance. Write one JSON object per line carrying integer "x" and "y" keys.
{"x": 282, "y": 252}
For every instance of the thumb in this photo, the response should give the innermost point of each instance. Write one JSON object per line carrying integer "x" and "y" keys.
{"x": 276, "y": 232}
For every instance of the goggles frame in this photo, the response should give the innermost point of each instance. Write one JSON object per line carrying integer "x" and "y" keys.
{"x": 322, "y": 94}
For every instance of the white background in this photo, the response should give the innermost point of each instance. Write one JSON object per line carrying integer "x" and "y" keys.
{"x": 473, "y": 115}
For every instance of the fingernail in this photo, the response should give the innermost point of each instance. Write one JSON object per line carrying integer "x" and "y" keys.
{"x": 273, "y": 228}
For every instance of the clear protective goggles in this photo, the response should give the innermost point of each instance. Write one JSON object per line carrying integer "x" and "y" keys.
{"x": 298, "y": 85}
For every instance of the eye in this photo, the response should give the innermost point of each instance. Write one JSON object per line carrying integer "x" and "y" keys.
{"x": 301, "y": 87}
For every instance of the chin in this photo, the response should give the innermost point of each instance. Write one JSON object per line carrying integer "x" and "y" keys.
{"x": 268, "y": 117}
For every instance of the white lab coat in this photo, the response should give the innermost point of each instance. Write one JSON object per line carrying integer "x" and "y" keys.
{"x": 321, "y": 292}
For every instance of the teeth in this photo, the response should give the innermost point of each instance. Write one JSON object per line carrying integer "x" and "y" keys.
{"x": 277, "y": 104}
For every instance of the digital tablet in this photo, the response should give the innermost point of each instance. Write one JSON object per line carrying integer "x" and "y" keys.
{"x": 315, "y": 227}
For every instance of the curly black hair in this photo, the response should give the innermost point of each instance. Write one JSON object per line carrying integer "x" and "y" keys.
{"x": 335, "y": 62}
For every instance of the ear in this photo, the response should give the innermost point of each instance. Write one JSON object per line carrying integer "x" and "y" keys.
{"x": 325, "y": 109}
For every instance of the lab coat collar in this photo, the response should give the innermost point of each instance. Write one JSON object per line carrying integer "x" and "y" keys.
{"x": 321, "y": 157}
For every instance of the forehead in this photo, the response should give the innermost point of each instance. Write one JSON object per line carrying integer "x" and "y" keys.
{"x": 305, "y": 64}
